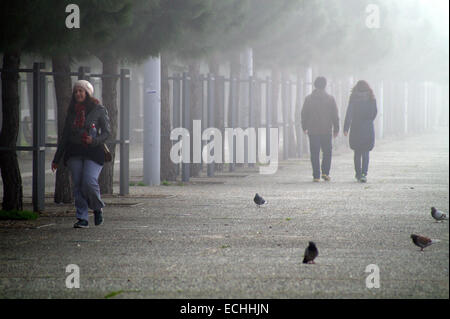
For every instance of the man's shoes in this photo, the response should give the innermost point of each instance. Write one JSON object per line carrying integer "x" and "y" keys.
{"x": 98, "y": 217}
{"x": 363, "y": 178}
{"x": 326, "y": 177}
{"x": 358, "y": 177}
{"x": 316, "y": 180}
{"x": 81, "y": 223}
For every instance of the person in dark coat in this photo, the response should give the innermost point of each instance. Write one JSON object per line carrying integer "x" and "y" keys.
{"x": 86, "y": 128}
{"x": 361, "y": 112}
{"x": 320, "y": 120}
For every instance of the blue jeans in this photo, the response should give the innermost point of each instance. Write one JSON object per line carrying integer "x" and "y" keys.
{"x": 361, "y": 160}
{"x": 317, "y": 143}
{"x": 86, "y": 190}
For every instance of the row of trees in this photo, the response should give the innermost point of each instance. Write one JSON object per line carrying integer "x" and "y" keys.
{"x": 286, "y": 36}
{"x": 111, "y": 30}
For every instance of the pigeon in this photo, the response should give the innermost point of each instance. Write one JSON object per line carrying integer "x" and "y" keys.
{"x": 423, "y": 241}
{"x": 438, "y": 215}
{"x": 311, "y": 252}
{"x": 259, "y": 200}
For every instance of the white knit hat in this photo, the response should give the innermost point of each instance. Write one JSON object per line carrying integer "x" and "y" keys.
{"x": 85, "y": 85}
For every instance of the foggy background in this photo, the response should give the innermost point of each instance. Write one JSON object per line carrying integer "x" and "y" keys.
{"x": 404, "y": 58}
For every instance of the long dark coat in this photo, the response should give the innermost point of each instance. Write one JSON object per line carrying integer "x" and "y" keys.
{"x": 361, "y": 112}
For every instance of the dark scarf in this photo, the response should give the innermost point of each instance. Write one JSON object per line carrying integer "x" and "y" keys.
{"x": 80, "y": 116}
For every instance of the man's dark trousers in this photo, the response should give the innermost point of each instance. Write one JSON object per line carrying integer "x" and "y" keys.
{"x": 317, "y": 143}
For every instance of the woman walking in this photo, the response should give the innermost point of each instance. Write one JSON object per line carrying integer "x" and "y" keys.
{"x": 86, "y": 128}
{"x": 361, "y": 112}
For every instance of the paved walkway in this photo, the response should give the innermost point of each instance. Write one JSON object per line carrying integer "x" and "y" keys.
{"x": 207, "y": 239}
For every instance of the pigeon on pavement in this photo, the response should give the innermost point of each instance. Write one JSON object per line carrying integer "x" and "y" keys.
{"x": 423, "y": 241}
{"x": 438, "y": 215}
{"x": 259, "y": 200}
{"x": 311, "y": 252}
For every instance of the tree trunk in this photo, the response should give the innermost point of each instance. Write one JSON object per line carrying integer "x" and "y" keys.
{"x": 196, "y": 108}
{"x": 63, "y": 92}
{"x": 168, "y": 168}
{"x": 109, "y": 97}
{"x": 219, "y": 100}
{"x": 9, "y": 165}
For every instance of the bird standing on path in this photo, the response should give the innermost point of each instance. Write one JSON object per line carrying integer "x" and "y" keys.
{"x": 259, "y": 200}
{"x": 438, "y": 215}
{"x": 311, "y": 252}
{"x": 423, "y": 241}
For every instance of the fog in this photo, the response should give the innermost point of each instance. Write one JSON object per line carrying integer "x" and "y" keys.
{"x": 400, "y": 47}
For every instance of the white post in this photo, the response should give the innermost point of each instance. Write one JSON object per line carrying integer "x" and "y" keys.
{"x": 443, "y": 107}
{"x": 405, "y": 110}
{"x": 351, "y": 81}
{"x": 425, "y": 105}
{"x": 381, "y": 111}
{"x": 445, "y": 104}
{"x": 309, "y": 81}
{"x": 152, "y": 121}
{"x": 432, "y": 105}
{"x": 246, "y": 60}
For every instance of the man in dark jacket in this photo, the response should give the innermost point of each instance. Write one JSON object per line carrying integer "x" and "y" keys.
{"x": 320, "y": 120}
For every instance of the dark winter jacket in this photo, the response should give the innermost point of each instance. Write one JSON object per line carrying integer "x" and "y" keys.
{"x": 320, "y": 114}
{"x": 70, "y": 144}
{"x": 361, "y": 112}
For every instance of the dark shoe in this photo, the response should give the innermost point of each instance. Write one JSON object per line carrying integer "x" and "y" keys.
{"x": 358, "y": 177}
{"x": 326, "y": 177}
{"x": 81, "y": 223}
{"x": 98, "y": 217}
{"x": 363, "y": 178}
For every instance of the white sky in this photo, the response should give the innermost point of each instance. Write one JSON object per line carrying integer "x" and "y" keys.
{"x": 438, "y": 11}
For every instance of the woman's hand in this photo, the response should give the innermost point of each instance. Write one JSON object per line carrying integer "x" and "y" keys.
{"x": 345, "y": 133}
{"x": 54, "y": 167}
{"x": 87, "y": 139}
